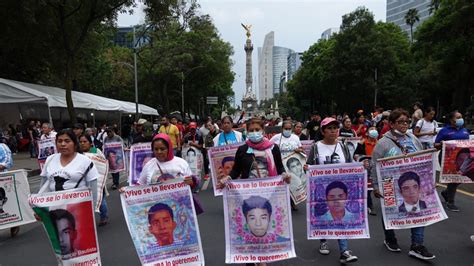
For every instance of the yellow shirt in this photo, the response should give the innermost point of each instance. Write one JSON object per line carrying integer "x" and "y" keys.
{"x": 173, "y": 132}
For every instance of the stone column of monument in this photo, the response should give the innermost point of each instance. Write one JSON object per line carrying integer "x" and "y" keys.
{"x": 248, "y": 64}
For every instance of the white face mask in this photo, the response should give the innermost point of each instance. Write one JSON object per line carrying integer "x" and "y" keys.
{"x": 286, "y": 133}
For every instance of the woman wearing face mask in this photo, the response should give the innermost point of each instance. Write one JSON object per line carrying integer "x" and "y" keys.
{"x": 454, "y": 130}
{"x": 287, "y": 141}
{"x": 425, "y": 128}
{"x": 396, "y": 142}
{"x": 330, "y": 150}
{"x": 228, "y": 135}
{"x": 365, "y": 148}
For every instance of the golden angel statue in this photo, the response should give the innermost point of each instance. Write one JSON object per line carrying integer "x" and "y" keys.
{"x": 247, "y": 28}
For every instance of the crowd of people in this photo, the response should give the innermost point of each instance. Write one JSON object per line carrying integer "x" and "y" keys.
{"x": 382, "y": 134}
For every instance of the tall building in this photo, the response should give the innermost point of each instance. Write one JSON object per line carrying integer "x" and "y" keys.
{"x": 124, "y": 37}
{"x": 272, "y": 64}
{"x": 265, "y": 67}
{"x": 397, "y": 9}
{"x": 328, "y": 33}
{"x": 294, "y": 63}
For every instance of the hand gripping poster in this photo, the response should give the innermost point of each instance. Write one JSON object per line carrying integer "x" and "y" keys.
{"x": 457, "y": 164}
{"x": 407, "y": 184}
{"x": 46, "y": 148}
{"x": 140, "y": 154}
{"x": 162, "y": 222}
{"x": 294, "y": 167}
{"x": 221, "y": 161}
{"x": 194, "y": 157}
{"x": 258, "y": 225}
{"x": 115, "y": 155}
{"x": 337, "y": 202}
{"x": 68, "y": 218}
{"x": 14, "y": 207}
{"x": 102, "y": 166}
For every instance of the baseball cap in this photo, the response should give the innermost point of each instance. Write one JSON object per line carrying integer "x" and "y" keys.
{"x": 328, "y": 120}
{"x": 141, "y": 121}
{"x": 78, "y": 125}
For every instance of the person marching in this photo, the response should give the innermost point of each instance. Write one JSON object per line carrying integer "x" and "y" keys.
{"x": 331, "y": 151}
{"x": 299, "y": 131}
{"x": 86, "y": 144}
{"x": 112, "y": 137}
{"x": 425, "y": 128}
{"x": 396, "y": 142}
{"x": 228, "y": 135}
{"x": 257, "y": 158}
{"x": 454, "y": 130}
{"x": 6, "y": 162}
{"x": 173, "y": 132}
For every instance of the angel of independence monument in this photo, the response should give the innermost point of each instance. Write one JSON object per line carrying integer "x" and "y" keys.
{"x": 249, "y": 101}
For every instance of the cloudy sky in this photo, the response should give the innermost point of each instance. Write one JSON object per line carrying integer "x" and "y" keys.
{"x": 297, "y": 24}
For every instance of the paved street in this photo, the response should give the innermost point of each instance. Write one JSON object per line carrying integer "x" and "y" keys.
{"x": 448, "y": 240}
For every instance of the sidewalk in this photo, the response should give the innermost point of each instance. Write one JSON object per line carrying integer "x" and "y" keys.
{"x": 22, "y": 160}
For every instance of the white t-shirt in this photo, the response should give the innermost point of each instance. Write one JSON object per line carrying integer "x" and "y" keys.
{"x": 426, "y": 126}
{"x": 175, "y": 168}
{"x": 71, "y": 173}
{"x": 326, "y": 151}
{"x": 51, "y": 135}
{"x": 286, "y": 145}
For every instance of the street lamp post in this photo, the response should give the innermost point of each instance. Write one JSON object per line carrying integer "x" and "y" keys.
{"x": 183, "y": 77}
{"x": 135, "y": 73}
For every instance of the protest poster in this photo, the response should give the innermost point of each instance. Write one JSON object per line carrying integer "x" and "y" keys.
{"x": 457, "y": 163}
{"x": 294, "y": 167}
{"x": 14, "y": 207}
{"x": 102, "y": 166}
{"x": 194, "y": 157}
{"x": 337, "y": 202}
{"x": 306, "y": 145}
{"x": 140, "y": 154}
{"x": 68, "y": 218}
{"x": 162, "y": 222}
{"x": 407, "y": 183}
{"x": 258, "y": 225}
{"x": 114, "y": 153}
{"x": 46, "y": 148}
{"x": 221, "y": 161}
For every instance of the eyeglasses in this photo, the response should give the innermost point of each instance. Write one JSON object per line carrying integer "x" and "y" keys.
{"x": 403, "y": 122}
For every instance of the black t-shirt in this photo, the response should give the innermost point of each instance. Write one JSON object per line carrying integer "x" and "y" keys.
{"x": 303, "y": 137}
{"x": 344, "y": 132}
{"x": 313, "y": 129}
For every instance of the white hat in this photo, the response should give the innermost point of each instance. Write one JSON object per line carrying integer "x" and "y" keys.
{"x": 141, "y": 121}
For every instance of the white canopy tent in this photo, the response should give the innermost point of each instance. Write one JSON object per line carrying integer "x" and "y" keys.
{"x": 16, "y": 92}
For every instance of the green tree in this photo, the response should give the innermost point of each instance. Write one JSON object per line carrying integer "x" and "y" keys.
{"x": 434, "y": 5}
{"x": 411, "y": 17}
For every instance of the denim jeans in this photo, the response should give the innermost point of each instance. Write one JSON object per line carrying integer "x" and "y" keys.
{"x": 103, "y": 209}
{"x": 451, "y": 191}
{"x": 115, "y": 178}
{"x": 370, "y": 204}
{"x": 417, "y": 235}
{"x": 343, "y": 244}
{"x": 32, "y": 148}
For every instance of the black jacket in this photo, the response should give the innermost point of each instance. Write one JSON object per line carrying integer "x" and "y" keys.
{"x": 243, "y": 162}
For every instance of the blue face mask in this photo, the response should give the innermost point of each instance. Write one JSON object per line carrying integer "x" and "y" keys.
{"x": 286, "y": 133}
{"x": 255, "y": 137}
{"x": 373, "y": 134}
{"x": 459, "y": 122}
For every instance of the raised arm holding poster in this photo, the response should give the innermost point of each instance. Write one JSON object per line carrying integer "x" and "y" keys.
{"x": 14, "y": 191}
{"x": 407, "y": 184}
{"x": 68, "y": 218}
{"x": 258, "y": 225}
{"x": 162, "y": 222}
{"x": 221, "y": 161}
{"x": 140, "y": 154}
{"x": 337, "y": 203}
{"x": 457, "y": 164}
{"x": 46, "y": 148}
{"x": 115, "y": 155}
{"x": 294, "y": 167}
